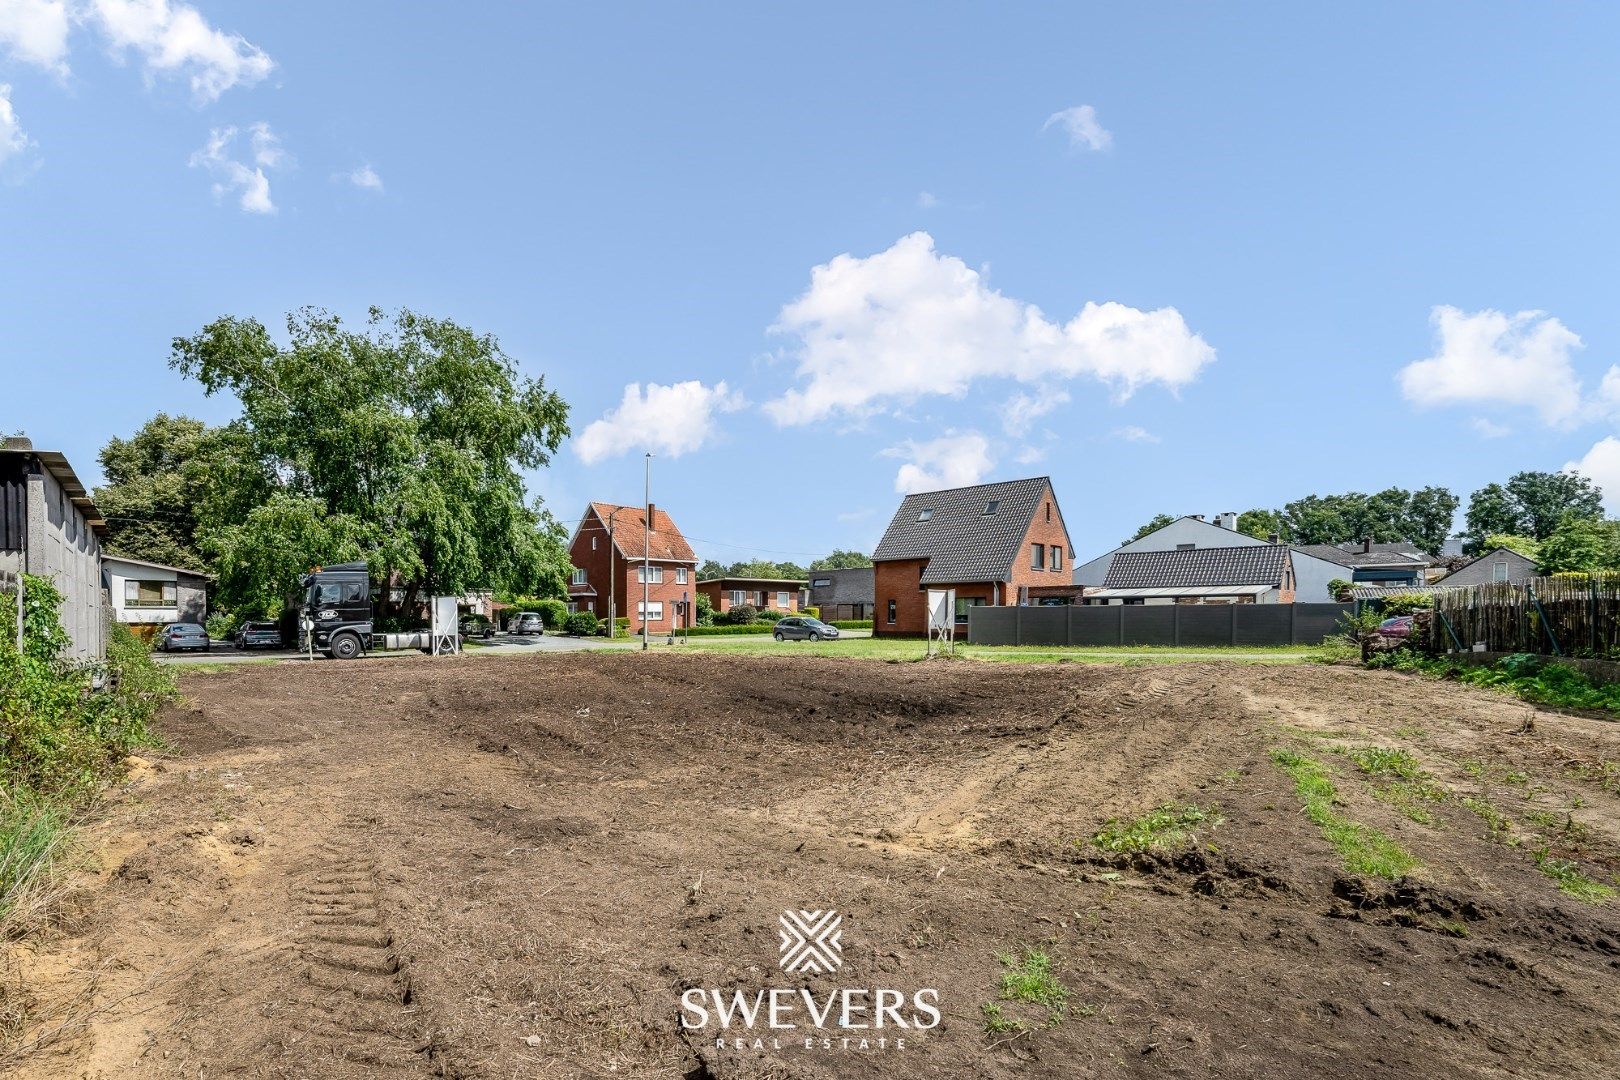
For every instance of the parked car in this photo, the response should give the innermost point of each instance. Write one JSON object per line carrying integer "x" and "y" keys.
{"x": 526, "y": 622}
{"x": 476, "y": 626}
{"x": 1399, "y": 626}
{"x": 803, "y": 628}
{"x": 258, "y": 635}
{"x": 182, "y": 637}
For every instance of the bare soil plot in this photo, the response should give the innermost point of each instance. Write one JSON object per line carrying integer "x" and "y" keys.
{"x": 514, "y": 867}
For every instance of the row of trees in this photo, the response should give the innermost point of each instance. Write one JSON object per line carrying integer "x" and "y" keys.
{"x": 764, "y": 568}
{"x": 400, "y": 443}
{"x": 1529, "y": 505}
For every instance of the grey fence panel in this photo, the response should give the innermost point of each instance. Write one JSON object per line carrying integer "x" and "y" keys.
{"x": 993, "y": 625}
{"x": 1096, "y": 625}
{"x": 1313, "y": 622}
{"x": 1189, "y": 625}
{"x": 1264, "y": 624}
{"x": 1148, "y": 624}
{"x": 1201, "y": 624}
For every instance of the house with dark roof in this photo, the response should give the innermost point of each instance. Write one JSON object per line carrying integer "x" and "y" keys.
{"x": 1192, "y": 532}
{"x": 612, "y": 563}
{"x": 842, "y": 594}
{"x": 992, "y": 543}
{"x": 1249, "y": 574}
{"x": 1370, "y": 563}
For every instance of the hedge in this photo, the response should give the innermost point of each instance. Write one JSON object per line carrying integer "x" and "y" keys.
{"x": 852, "y": 624}
{"x": 721, "y": 631}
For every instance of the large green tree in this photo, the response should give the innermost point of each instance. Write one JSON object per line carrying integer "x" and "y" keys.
{"x": 1580, "y": 542}
{"x": 1152, "y": 525}
{"x": 1530, "y": 504}
{"x": 401, "y": 443}
{"x": 842, "y": 560}
{"x": 1263, "y": 524}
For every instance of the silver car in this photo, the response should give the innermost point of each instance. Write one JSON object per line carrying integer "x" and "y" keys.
{"x": 803, "y": 628}
{"x": 526, "y": 622}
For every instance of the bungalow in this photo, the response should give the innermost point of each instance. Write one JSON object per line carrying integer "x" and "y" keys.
{"x": 1370, "y": 563}
{"x": 763, "y": 594}
{"x": 611, "y": 566}
{"x": 147, "y": 595}
{"x": 1247, "y": 574}
{"x": 990, "y": 542}
{"x": 842, "y": 594}
{"x": 1503, "y": 565}
{"x": 50, "y": 527}
{"x": 1311, "y": 572}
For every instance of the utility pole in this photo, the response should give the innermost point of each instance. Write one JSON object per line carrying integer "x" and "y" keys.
{"x": 646, "y": 549}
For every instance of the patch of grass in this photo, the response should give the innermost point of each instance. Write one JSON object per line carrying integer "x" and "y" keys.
{"x": 1499, "y": 824}
{"x": 1386, "y": 761}
{"x": 1410, "y": 733}
{"x": 32, "y": 833}
{"x": 1414, "y": 798}
{"x": 1476, "y": 769}
{"x": 1167, "y": 826}
{"x": 1567, "y": 875}
{"x": 1365, "y": 850}
{"x": 1029, "y": 978}
{"x": 996, "y": 1022}
{"x": 1605, "y": 773}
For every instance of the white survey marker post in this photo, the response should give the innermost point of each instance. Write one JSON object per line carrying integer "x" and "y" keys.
{"x": 446, "y": 626}
{"x": 942, "y": 618}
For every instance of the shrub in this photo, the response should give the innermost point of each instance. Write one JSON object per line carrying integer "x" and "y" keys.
{"x": 722, "y": 631}
{"x": 852, "y": 624}
{"x": 740, "y": 615}
{"x": 705, "y": 610}
{"x": 1339, "y": 588}
{"x": 553, "y": 613}
{"x": 581, "y": 624}
{"x": 770, "y": 615}
{"x": 810, "y": 612}
{"x": 221, "y": 625}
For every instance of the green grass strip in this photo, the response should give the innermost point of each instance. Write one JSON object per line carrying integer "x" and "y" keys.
{"x": 1364, "y": 849}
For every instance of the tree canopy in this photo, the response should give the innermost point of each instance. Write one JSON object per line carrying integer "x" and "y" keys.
{"x": 400, "y": 443}
{"x": 841, "y": 560}
{"x": 754, "y": 568}
{"x": 1153, "y": 524}
{"x": 1530, "y": 504}
{"x": 1580, "y": 542}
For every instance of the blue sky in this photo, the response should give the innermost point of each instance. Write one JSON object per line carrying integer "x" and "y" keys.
{"x": 1325, "y": 249}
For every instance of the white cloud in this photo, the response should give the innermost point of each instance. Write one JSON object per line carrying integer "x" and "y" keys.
{"x": 13, "y": 139}
{"x": 908, "y": 321}
{"x": 36, "y": 31}
{"x": 1489, "y": 357}
{"x": 1489, "y": 429}
{"x": 1081, "y": 125}
{"x": 247, "y": 180}
{"x": 174, "y": 38}
{"x": 1021, "y": 411}
{"x": 927, "y": 200}
{"x": 1602, "y": 465}
{"x": 668, "y": 420}
{"x": 365, "y": 178}
{"x": 953, "y": 460}
{"x": 1132, "y": 433}
{"x": 1029, "y": 455}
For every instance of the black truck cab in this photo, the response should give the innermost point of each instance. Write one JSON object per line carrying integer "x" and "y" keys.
{"x": 336, "y": 610}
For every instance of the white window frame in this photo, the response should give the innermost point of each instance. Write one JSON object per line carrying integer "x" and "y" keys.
{"x": 680, "y": 575}
{"x": 578, "y": 577}
{"x": 1499, "y": 572}
{"x": 782, "y": 600}
{"x": 656, "y": 607}
{"x": 649, "y": 574}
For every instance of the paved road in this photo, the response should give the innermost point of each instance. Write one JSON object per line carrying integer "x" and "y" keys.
{"x": 224, "y": 652}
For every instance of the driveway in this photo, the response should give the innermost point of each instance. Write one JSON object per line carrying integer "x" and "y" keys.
{"x": 223, "y": 652}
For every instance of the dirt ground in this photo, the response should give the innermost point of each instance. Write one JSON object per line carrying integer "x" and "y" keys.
{"x": 515, "y": 867}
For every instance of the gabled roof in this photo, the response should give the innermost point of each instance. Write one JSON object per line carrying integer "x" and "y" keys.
{"x": 105, "y": 558}
{"x": 1491, "y": 554}
{"x": 960, "y": 541}
{"x": 665, "y": 543}
{"x": 1255, "y": 564}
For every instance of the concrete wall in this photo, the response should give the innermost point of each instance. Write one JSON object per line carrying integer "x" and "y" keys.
{"x": 1311, "y": 577}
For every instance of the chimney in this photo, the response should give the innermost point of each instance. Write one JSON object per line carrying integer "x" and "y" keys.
{"x": 1366, "y": 545}
{"x": 19, "y": 442}
{"x": 1226, "y": 520}
{"x": 652, "y": 516}
{"x": 1273, "y": 538}
{"x": 1196, "y": 517}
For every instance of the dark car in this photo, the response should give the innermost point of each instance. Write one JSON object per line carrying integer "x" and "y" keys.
{"x": 258, "y": 635}
{"x": 1399, "y": 626}
{"x": 526, "y": 622}
{"x": 475, "y": 626}
{"x": 182, "y": 637}
{"x": 803, "y": 628}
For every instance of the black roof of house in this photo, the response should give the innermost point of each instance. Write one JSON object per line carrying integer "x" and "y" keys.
{"x": 853, "y": 585}
{"x": 1253, "y": 564}
{"x": 960, "y": 541}
{"x": 1401, "y": 554}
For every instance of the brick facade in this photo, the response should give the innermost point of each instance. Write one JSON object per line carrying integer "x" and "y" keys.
{"x": 614, "y": 568}
{"x": 761, "y": 593}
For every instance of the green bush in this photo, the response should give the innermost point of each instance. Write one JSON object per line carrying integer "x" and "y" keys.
{"x": 770, "y": 615}
{"x": 553, "y": 613}
{"x": 737, "y": 628}
{"x": 810, "y": 612}
{"x": 852, "y": 624}
{"x": 581, "y": 624}
{"x": 705, "y": 610}
{"x": 221, "y": 625}
{"x": 740, "y": 615}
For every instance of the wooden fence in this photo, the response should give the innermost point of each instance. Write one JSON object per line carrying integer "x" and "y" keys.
{"x": 1565, "y": 615}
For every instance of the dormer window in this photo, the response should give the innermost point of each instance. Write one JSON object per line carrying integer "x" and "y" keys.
{"x": 925, "y": 515}
{"x": 990, "y": 507}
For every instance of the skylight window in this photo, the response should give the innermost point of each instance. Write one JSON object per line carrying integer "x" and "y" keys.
{"x": 990, "y": 507}
{"x": 926, "y": 514}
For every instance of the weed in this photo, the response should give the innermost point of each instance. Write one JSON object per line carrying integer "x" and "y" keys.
{"x": 997, "y": 1022}
{"x": 1567, "y": 875}
{"x": 32, "y": 833}
{"x": 1365, "y": 850}
{"x": 1383, "y": 761}
{"x": 1165, "y": 827}
{"x": 1476, "y": 769}
{"x": 1414, "y": 798}
{"x": 1499, "y": 824}
{"x": 1030, "y": 978}
{"x": 1408, "y": 732}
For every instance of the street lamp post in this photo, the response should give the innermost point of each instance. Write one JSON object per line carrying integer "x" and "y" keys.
{"x": 646, "y": 549}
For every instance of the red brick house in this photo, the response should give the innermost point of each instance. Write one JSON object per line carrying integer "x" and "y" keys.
{"x": 992, "y": 543}
{"x": 607, "y": 551}
{"x": 766, "y": 594}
